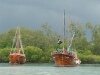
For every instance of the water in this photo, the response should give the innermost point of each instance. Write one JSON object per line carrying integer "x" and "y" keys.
{"x": 48, "y": 69}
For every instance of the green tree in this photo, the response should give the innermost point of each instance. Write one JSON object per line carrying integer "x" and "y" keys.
{"x": 33, "y": 54}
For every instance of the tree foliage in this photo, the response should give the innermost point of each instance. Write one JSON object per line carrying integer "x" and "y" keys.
{"x": 38, "y": 44}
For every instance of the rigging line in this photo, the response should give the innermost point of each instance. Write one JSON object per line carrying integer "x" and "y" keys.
{"x": 17, "y": 39}
{"x": 14, "y": 39}
{"x": 71, "y": 42}
{"x": 64, "y": 31}
{"x": 21, "y": 42}
{"x": 68, "y": 30}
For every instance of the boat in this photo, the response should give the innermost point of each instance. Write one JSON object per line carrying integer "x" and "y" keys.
{"x": 17, "y": 55}
{"x": 65, "y": 57}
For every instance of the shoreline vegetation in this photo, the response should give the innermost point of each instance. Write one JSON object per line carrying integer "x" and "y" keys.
{"x": 39, "y": 43}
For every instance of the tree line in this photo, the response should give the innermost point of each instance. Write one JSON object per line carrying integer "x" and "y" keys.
{"x": 39, "y": 43}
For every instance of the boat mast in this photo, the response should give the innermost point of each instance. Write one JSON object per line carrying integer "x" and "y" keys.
{"x": 17, "y": 41}
{"x": 14, "y": 39}
{"x": 20, "y": 42}
{"x": 64, "y": 32}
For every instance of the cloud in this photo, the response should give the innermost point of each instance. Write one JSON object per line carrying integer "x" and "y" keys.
{"x": 33, "y": 13}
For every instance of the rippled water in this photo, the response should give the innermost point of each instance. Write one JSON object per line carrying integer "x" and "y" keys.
{"x": 48, "y": 69}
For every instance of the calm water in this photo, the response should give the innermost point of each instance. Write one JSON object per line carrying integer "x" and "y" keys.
{"x": 48, "y": 69}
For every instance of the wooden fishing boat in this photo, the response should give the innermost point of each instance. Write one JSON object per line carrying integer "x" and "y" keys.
{"x": 17, "y": 55}
{"x": 65, "y": 57}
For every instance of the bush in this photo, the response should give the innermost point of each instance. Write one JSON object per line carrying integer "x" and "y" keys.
{"x": 33, "y": 54}
{"x": 89, "y": 59}
{"x": 4, "y": 54}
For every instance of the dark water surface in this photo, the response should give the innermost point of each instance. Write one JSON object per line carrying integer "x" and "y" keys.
{"x": 48, "y": 69}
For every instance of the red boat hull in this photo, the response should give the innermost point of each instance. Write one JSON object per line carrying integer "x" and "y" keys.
{"x": 17, "y": 58}
{"x": 61, "y": 59}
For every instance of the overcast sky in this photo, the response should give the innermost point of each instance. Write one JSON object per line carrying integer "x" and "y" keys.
{"x": 34, "y": 13}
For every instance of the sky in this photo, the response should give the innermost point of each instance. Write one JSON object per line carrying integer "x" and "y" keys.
{"x": 34, "y": 13}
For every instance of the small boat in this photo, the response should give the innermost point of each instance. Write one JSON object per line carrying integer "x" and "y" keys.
{"x": 65, "y": 57}
{"x": 17, "y": 55}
